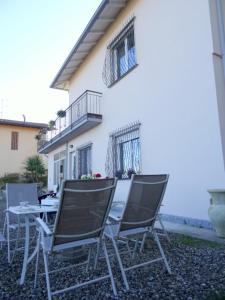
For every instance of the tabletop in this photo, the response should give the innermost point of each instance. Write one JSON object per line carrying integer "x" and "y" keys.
{"x": 31, "y": 209}
{"x": 50, "y": 201}
{"x": 116, "y": 210}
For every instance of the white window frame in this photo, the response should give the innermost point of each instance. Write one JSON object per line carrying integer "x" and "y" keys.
{"x": 81, "y": 148}
{"x": 73, "y": 165}
{"x": 58, "y": 161}
{"x": 124, "y": 138}
{"x": 114, "y": 54}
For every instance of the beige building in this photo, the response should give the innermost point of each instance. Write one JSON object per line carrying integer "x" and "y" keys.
{"x": 17, "y": 143}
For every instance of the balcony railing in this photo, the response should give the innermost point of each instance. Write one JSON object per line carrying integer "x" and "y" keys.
{"x": 87, "y": 105}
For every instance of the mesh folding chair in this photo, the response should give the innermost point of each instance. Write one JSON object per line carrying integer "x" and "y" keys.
{"x": 16, "y": 193}
{"x": 138, "y": 218}
{"x": 80, "y": 221}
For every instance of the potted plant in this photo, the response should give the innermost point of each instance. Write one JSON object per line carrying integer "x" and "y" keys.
{"x": 216, "y": 210}
{"x": 51, "y": 124}
{"x": 44, "y": 130}
{"x": 86, "y": 177}
{"x": 96, "y": 176}
{"x": 119, "y": 174}
{"x": 38, "y": 137}
{"x": 130, "y": 172}
{"x": 61, "y": 113}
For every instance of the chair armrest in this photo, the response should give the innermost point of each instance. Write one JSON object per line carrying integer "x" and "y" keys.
{"x": 43, "y": 226}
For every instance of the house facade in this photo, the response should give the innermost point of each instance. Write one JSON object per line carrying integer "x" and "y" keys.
{"x": 17, "y": 143}
{"x": 146, "y": 95}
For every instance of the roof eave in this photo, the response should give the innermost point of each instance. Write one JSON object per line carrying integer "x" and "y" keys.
{"x": 103, "y": 17}
{"x": 83, "y": 35}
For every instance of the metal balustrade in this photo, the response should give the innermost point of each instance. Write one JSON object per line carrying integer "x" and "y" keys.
{"x": 87, "y": 105}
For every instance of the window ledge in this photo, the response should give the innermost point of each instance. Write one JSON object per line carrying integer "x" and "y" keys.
{"x": 124, "y": 75}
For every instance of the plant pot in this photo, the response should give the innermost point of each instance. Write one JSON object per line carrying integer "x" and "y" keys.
{"x": 216, "y": 211}
{"x": 61, "y": 113}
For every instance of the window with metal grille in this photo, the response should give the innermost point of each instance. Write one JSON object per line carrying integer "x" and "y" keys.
{"x": 124, "y": 55}
{"x": 84, "y": 161}
{"x": 123, "y": 155}
{"x": 14, "y": 140}
{"x": 120, "y": 55}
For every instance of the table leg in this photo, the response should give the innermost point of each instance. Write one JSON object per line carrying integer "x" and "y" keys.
{"x": 8, "y": 236}
{"x": 26, "y": 250}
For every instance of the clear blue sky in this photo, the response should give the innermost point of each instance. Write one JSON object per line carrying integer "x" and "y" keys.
{"x": 35, "y": 38}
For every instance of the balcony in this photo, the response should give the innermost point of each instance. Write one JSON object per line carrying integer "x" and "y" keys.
{"x": 82, "y": 115}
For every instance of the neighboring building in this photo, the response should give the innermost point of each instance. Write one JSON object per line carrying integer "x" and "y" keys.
{"x": 17, "y": 143}
{"x": 146, "y": 93}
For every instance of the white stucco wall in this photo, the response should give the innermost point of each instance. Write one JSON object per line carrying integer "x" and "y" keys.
{"x": 171, "y": 92}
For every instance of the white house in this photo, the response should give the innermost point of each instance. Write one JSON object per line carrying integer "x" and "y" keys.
{"x": 146, "y": 94}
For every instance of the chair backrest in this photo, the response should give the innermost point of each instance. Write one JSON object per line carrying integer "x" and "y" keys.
{"x": 21, "y": 192}
{"x": 144, "y": 200}
{"x": 83, "y": 209}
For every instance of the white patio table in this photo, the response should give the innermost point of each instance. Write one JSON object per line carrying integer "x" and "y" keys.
{"x": 116, "y": 210}
{"x": 27, "y": 212}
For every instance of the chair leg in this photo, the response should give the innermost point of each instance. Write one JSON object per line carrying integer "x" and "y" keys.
{"x": 109, "y": 268}
{"x": 47, "y": 275}
{"x": 163, "y": 228}
{"x": 120, "y": 264}
{"x": 97, "y": 255}
{"x": 143, "y": 242}
{"x": 45, "y": 218}
{"x": 8, "y": 236}
{"x": 161, "y": 251}
{"x": 17, "y": 239}
{"x": 4, "y": 227}
{"x": 135, "y": 248}
{"x": 37, "y": 260}
{"x": 128, "y": 249}
{"x": 89, "y": 259}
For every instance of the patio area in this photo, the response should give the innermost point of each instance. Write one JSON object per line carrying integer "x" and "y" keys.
{"x": 198, "y": 272}
{"x": 195, "y": 255}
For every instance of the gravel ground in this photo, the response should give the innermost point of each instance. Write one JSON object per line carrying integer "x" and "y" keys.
{"x": 198, "y": 272}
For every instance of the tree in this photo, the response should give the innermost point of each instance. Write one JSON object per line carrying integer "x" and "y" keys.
{"x": 35, "y": 169}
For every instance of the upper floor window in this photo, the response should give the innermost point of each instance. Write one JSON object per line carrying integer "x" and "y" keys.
{"x": 14, "y": 140}
{"x": 84, "y": 161}
{"x": 120, "y": 55}
{"x": 124, "y": 55}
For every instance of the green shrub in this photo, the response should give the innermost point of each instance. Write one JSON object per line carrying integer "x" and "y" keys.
{"x": 10, "y": 178}
{"x": 35, "y": 170}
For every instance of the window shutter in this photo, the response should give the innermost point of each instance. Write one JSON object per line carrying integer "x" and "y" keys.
{"x": 14, "y": 140}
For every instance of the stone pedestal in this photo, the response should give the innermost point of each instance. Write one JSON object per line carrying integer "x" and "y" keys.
{"x": 217, "y": 210}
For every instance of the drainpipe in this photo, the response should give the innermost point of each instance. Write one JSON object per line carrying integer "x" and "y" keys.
{"x": 67, "y": 162}
{"x": 221, "y": 30}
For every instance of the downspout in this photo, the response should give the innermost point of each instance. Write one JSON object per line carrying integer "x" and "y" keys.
{"x": 220, "y": 86}
{"x": 221, "y": 30}
{"x": 67, "y": 162}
